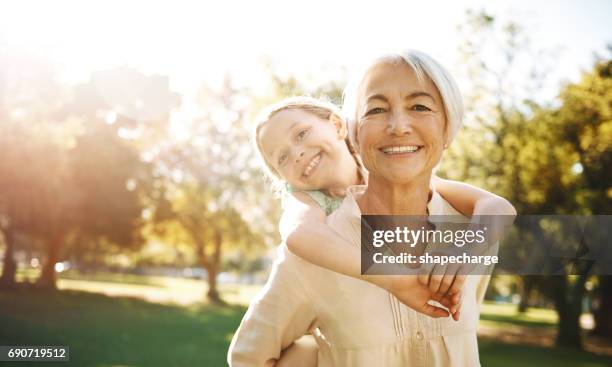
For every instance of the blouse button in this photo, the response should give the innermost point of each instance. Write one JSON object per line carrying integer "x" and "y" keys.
{"x": 419, "y": 335}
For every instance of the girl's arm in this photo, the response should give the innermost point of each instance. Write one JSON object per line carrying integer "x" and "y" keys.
{"x": 304, "y": 230}
{"x": 471, "y": 200}
{"x": 474, "y": 202}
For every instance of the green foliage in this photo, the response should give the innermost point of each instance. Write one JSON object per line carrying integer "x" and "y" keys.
{"x": 544, "y": 157}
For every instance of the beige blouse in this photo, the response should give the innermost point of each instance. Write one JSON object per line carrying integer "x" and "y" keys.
{"x": 356, "y": 323}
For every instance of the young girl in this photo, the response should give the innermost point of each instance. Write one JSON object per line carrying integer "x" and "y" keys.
{"x": 304, "y": 145}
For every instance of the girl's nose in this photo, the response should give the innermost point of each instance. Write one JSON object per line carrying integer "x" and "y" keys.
{"x": 299, "y": 156}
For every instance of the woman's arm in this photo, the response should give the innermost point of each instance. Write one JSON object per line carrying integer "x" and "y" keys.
{"x": 267, "y": 328}
{"x": 304, "y": 230}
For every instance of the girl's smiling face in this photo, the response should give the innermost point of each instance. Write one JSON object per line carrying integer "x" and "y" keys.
{"x": 402, "y": 123}
{"x": 302, "y": 148}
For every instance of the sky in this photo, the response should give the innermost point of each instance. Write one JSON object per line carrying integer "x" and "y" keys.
{"x": 202, "y": 41}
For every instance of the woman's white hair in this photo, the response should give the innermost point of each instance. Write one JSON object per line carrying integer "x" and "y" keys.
{"x": 424, "y": 66}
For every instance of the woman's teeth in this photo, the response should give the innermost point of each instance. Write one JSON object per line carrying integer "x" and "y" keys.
{"x": 401, "y": 149}
{"x": 313, "y": 163}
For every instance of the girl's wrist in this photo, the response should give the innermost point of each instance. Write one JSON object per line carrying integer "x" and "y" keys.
{"x": 383, "y": 281}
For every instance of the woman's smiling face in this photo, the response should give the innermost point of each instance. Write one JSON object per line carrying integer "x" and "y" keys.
{"x": 401, "y": 123}
{"x": 303, "y": 148}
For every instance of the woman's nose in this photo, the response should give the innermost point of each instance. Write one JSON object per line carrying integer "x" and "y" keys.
{"x": 400, "y": 125}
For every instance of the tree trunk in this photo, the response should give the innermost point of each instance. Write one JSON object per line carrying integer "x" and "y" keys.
{"x": 213, "y": 270}
{"x": 603, "y": 316}
{"x": 9, "y": 266}
{"x": 47, "y": 277}
{"x": 568, "y": 305}
{"x": 569, "y": 330}
{"x": 213, "y": 293}
{"x": 212, "y": 266}
{"x": 525, "y": 287}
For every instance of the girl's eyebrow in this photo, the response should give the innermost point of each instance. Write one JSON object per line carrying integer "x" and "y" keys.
{"x": 274, "y": 153}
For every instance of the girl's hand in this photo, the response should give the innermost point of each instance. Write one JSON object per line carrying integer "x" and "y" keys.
{"x": 408, "y": 290}
{"x": 444, "y": 281}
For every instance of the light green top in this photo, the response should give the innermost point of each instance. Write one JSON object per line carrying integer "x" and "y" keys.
{"x": 326, "y": 202}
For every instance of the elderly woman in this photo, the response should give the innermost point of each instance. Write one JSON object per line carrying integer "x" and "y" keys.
{"x": 407, "y": 110}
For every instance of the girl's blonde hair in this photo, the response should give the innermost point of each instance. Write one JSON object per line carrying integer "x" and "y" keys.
{"x": 318, "y": 107}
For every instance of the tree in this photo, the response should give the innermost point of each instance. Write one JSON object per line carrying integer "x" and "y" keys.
{"x": 71, "y": 173}
{"x": 534, "y": 152}
{"x": 30, "y": 144}
{"x": 584, "y": 121}
{"x": 208, "y": 182}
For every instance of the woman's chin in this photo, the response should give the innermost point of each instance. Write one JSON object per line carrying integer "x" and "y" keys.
{"x": 401, "y": 177}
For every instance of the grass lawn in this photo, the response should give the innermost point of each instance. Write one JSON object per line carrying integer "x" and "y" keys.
{"x": 117, "y": 331}
{"x": 103, "y": 330}
{"x": 495, "y": 354}
{"x": 500, "y": 315}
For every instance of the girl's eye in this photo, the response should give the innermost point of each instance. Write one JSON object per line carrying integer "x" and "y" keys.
{"x": 420, "y": 108}
{"x": 375, "y": 110}
{"x": 282, "y": 158}
{"x": 302, "y": 134}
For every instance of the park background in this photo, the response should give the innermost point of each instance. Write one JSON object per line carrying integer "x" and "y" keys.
{"x": 136, "y": 225}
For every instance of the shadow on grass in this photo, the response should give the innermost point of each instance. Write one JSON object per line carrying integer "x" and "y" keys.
{"x": 107, "y": 331}
{"x": 495, "y": 354}
{"x": 516, "y": 320}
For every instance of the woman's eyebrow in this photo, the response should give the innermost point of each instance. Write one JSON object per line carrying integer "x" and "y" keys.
{"x": 420, "y": 94}
{"x": 379, "y": 97}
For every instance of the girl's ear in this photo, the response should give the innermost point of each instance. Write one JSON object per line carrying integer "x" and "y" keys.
{"x": 340, "y": 125}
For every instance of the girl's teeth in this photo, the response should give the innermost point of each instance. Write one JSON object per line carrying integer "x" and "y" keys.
{"x": 313, "y": 163}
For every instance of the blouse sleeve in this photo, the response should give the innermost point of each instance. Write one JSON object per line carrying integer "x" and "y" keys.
{"x": 279, "y": 315}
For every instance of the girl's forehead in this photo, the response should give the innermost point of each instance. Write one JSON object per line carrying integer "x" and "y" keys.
{"x": 276, "y": 130}
{"x": 289, "y": 116}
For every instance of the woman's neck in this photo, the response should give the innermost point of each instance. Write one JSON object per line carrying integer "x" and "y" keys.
{"x": 384, "y": 198}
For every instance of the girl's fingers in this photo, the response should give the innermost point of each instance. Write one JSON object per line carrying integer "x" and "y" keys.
{"x": 457, "y": 285}
{"x": 423, "y": 279}
{"x": 434, "y": 282}
{"x": 424, "y": 273}
{"x": 455, "y": 297}
{"x": 433, "y": 311}
{"x": 444, "y": 301}
{"x": 446, "y": 283}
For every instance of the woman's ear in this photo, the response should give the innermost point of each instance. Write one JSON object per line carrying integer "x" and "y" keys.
{"x": 445, "y": 137}
{"x": 340, "y": 125}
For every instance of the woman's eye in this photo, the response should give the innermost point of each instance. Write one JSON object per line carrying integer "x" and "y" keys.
{"x": 302, "y": 134}
{"x": 420, "y": 107}
{"x": 375, "y": 110}
{"x": 282, "y": 159}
